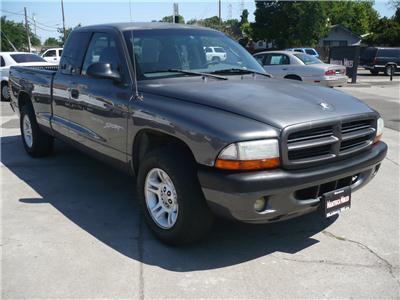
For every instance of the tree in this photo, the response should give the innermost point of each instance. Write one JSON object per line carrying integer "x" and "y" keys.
{"x": 358, "y": 16}
{"x": 244, "y": 17}
{"x": 290, "y": 24}
{"x": 385, "y": 33}
{"x": 169, "y": 19}
{"x": 16, "y": 34}
{"x": 68, "y": 30}
{"x": 51, "y": 42}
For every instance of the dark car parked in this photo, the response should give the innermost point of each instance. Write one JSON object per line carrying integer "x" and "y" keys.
{"x": 202, "y": 138}
{"x": 378, "y": 59}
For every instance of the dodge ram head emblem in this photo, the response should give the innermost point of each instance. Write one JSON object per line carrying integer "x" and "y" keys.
{"x": 325, "y": 106}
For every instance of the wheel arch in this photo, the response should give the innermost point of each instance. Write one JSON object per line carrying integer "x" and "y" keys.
{"x": 293, "y": 76}
{"x": 147, "y": 140}
{"x": 24, "y": 99}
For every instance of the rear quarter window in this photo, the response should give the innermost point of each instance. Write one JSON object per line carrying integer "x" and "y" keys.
{"x": 311, "y": 52}
{"x": 3, "y": 63}
{"x": 22, "y": 58}
{"x": 73, "y": 52}
{"x": 389, "y": 53}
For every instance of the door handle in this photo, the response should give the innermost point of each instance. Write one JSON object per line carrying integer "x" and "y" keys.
{"x": 284, "y": 69}
{"x": 74, "y": 93}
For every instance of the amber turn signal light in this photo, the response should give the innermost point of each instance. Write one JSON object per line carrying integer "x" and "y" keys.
{"x": 259, "y": 164}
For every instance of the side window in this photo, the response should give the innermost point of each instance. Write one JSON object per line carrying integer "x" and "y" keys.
{"x": 310, "y": 51}
{"x": 208, "y": 50}
{"x": 60, "y": 52}
{"x": 50, "y": 53}
{"x": 74, "y": 50}
{"x": 3, "y": 63}
{"x": 102, "y": 48}
{"x": 278, "y": 59}
{"x": 260, "y": 58}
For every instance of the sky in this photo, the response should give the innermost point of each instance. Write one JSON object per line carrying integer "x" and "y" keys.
{"x": 48, "y": 13}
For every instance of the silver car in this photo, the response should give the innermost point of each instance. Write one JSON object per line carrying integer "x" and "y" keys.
{"x": 303, "y": 67}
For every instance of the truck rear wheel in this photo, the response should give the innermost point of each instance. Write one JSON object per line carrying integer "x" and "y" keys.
{"x": 5, "y": 93}
{"x": 171, "y": 198}
{"x": 36, "y": 142}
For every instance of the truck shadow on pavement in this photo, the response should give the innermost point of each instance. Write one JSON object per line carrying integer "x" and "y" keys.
{"x": 101, "y": 201}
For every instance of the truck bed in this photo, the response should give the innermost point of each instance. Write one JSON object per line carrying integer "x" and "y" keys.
{"x": 37, "y": 83}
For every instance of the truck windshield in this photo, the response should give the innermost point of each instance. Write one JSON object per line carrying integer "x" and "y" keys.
{"x": 159, "y": 51}
{"x": 22, "y": 58}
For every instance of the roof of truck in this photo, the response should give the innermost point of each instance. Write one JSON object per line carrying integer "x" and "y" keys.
{"x": 142, "y": 25}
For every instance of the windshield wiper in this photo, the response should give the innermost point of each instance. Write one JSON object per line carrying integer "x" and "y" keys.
{"x": 197, "y": 73}
{"x": 241, "y": 71}
{"x": 188, "y": 72}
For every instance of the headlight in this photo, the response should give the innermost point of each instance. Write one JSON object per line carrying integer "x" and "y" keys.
{"x": 379, "y": 130}
{"x": 251, "y": 155}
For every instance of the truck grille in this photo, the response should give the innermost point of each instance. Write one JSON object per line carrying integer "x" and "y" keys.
{"x": 319, "y": 143}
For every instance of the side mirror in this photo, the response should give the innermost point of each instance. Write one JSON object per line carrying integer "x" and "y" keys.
{"x": 104, "y": 71}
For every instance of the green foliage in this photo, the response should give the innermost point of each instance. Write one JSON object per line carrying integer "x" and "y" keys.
{"x": 386, "y": 32}
{"x": 68, "y": 30}
{"x": 169, "y": 19}
{"x": 16, "y": 34}
{"x": 51, "y": 42}
{"x": 244, "y": 17}
{"x": 290, "y": 24}
{"x": 360, "y": 17}
{"x": 212, "y": 22}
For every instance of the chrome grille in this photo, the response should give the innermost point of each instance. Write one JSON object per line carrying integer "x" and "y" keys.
{"x": 323, "y": 142}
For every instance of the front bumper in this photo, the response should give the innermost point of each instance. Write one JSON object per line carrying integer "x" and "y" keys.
{"x": 232, "y": 195}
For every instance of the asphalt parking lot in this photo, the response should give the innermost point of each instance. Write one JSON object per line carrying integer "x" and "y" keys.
{"x": 71, "y": 228}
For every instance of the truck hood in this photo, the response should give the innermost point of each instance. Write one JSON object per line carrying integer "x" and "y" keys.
{"x": 275, "y": 102}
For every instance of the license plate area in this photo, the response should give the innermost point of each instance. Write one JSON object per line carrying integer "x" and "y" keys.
{"x": 336, "y": 201}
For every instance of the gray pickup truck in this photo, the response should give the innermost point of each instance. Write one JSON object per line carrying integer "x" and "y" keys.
{"x": 202, "y": 138}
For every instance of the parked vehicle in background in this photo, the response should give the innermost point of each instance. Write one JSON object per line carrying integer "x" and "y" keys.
{"x": 309, "y": 51}
{"x": 379, "y": 59}
{"x": 302, "y": 67}
{"x": 52, "y": 55}
{"x": 215, "y": 54}
{"x": 203, "y": 139}
{"x": 9, "y": 59}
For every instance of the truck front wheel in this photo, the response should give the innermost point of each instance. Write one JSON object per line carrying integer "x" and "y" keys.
{"x": 171, "y": 198}
{"x": 36, "y": 142}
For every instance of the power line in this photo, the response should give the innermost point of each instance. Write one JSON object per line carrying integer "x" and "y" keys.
{"x": 44, "y": 29}
{"x": 32, "y": 19}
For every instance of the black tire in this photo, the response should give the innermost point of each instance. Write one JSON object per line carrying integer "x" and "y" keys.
{"x": 293, "y": 77}
{"x": 4, "y": 98}
{"x": 388, "y": 69}
{"x": 374, "y": 72}
{"x": 216, "y": 60}
{"x": 42, "y": 143}
{"x": 194, "y": 218}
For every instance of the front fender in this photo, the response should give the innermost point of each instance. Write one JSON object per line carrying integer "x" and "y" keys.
{"x": 205, "y": 130}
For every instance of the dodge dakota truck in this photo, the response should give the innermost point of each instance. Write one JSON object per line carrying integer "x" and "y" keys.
{"x": 201, "y": 138}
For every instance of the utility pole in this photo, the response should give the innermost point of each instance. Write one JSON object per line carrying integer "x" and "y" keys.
{"x": 34, "y": 23}
{"x": 27, "y": 30}
{"x": 175, "y": 15}
{"x": 63, "y": 19}
{"x": 230, "y": 11}
{"x": 219, "y": 12}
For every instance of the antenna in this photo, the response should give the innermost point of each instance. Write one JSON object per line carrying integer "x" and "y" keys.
{"x": 137, "y": 95}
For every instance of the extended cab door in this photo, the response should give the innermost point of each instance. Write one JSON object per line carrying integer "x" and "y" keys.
{"x": 69, "y": 69}
{"x": 99, "y": 107}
